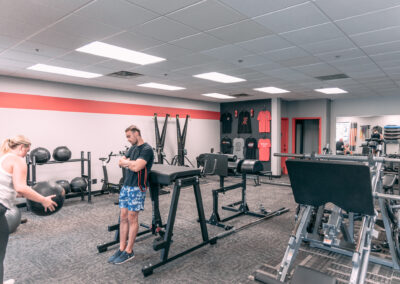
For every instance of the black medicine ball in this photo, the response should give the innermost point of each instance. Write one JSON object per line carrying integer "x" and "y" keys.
{"x": 65, "y": 184}
{"x": 78, "y": 184}
{"x": 46, "y": 188}
{"x": 41, "y": 154}
{"x": 61, "y": 154}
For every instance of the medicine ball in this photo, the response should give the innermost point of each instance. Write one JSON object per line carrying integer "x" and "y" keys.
{"x": 46, "y": 188}
{"x": 13, "y": 217}
{"x": 41, "y": 154}
{"x": 61, "y": 154}
{"x": 65, "y": 184}
{"x": 78, "y": 184}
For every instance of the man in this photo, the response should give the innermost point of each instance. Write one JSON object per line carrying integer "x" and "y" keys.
{"x": 138, "y": 161}
{"x": 340, "y": 145}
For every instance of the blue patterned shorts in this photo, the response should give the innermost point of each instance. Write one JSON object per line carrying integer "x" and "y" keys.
{"x": 132, "y": 198}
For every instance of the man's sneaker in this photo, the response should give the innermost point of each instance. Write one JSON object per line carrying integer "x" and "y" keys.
{"x": 9, "y": 281}
{"x": 124, "y": 257}
{"x": 114, "y": 256}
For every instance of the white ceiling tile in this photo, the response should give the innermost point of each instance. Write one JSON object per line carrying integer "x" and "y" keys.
{"x": 251, "y": 60}
{"x": 319, "y": 69}
{"x": 377, "y": 36}
{"x": 253, "y": 8}
{"x": 340, "y": 9}
{"x": 285, "y": 53}
{"x": 364, "y": 74}
{"x": 328, "y": 45}
{"x": 97, "y": 69}
{"x": 163, "y": 7}
{"x": 66, "y": 63}
{"x": 198, "y": 42}
{"x": 371, "y": 21}
{"x": 83, "y": 27}
{"x": 228, "y": 52}
{"x": 241, "y": 31}
{"x": 16, "y": 29}
{"x": 267, "y": 66}
{"x": 132, "y": 40}
{"x": 167, "y": 51}
{"x": 393, "y": 56}
{"x": 206, "y": 15}
{"x": 294, "y": 18}
{"x": 317, "y": 33}
{"x": 382, "y": 48}
{"x": 194, "y": 59}
{"x": 265, "y": 44}
{"x": 341, "y": 55}
{"x": 41, "y": 49}
{"x": 116, "y": 65}
{"x": 116, "y": 13}
{"x": 64, "y": 5}
{"x": 388, "y": 63}
{"x": 6, "y": 41}
{"x": 4, "y": 62}
{"x": 82, "y": 58}
{"x": 24, "y": 56}
{"x": 55, "y": 38}
{"x": 300, "y": 61}
{"x": 165, "y": 29}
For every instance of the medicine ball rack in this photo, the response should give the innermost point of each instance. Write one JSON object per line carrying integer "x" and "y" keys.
{"x": 31, "y": 175}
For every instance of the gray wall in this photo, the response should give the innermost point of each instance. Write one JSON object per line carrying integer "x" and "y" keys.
{"x": 309, "y": 108}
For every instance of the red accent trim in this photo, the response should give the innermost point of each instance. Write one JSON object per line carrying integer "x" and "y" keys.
{"x": 23, "y": 101}
{"x": 294, "y": 132}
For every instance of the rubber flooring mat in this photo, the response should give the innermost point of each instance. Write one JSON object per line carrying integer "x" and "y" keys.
{"x": 333, "y": 264}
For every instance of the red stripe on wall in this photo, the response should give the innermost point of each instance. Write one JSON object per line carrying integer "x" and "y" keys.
{"x": 23, "y": 101}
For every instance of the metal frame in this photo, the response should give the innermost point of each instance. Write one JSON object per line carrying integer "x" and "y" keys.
{"x": 160, "y": 139}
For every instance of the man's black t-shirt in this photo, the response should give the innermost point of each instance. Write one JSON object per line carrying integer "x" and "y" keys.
{"x": 226, "y": 145}
{"x": 251, "y": 147}
{"x": 226, "y": 119}
{"x": 244, "y": 125}
{"x": 339, "y": 146}
{"x": 144, "y": 152}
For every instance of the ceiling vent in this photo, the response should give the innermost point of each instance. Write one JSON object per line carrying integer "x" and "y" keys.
{"x": 240, "y": 95}
{"x": 332, "y": 77}
{"x": 125, "y": 74}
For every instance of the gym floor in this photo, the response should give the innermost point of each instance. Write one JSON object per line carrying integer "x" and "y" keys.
{"x": 62, "y": 248}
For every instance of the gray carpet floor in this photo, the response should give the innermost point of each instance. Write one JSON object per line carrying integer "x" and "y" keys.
{"x": 61, "y": 248}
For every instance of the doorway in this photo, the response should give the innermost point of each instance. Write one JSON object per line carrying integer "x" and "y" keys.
{"x": 306, "y": 135}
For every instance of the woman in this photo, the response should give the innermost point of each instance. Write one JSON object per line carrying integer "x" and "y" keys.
{"x": 13, "y": 171}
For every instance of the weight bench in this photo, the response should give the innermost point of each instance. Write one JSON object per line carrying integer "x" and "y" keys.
{"x": 315, "y": 183}
{"x": 163, "y": 175}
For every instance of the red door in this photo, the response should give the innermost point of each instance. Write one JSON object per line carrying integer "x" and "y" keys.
{"x": 284, "y": 142}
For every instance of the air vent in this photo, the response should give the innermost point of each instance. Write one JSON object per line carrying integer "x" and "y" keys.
{"x": 240, "y": 95}
{"x": 332, "y": 77}
{"x": 125, "y": 74}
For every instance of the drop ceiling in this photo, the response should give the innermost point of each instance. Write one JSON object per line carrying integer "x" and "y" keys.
{"x": 284, "y": 44}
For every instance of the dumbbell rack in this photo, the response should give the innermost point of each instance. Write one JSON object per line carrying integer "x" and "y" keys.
{"x": 31, "y": 176}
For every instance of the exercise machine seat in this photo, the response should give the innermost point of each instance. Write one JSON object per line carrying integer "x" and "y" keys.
{"x": 166, "y": 174}
{"x": 250, "y": 166}
{"x": 345, "y": 184}
{"x": 305, "y": 275}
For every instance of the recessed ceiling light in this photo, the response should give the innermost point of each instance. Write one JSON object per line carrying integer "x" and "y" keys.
{"x": 219, "y": 77}
{"x": 64, "y": 71}
{"x": 218, "y": 96}
{"x": 331, "y": 91}
{"x": 161, "y": 86}
{"x": 119, "y": 53}
{"x": 272, "y": 90}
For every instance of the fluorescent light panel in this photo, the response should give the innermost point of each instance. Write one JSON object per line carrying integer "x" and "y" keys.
{"x": 272, "y": 90}
{"x": 64, "y": 71}
{"x": 161, "y": 86}
{"x": 331, "y": 91}
{"x": 218, "y": 96}
{"x": 119, "y": 53}
{"x": 219, "y": 77}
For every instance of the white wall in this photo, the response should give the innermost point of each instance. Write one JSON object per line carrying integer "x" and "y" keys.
{"x": 372, "y": 106}
{"x": 98, "y": 133}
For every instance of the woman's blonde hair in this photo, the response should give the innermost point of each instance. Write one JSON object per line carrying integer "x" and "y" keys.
{"x": 12, "y": 143}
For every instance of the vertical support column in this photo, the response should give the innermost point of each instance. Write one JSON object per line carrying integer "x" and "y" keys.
{"x": 89, "y": 168}
{"x": 82, "y": 172}
{"x": 275, "y": 135}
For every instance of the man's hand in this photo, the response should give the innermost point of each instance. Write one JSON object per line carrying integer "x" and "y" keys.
{"x": 124, "y": 163}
